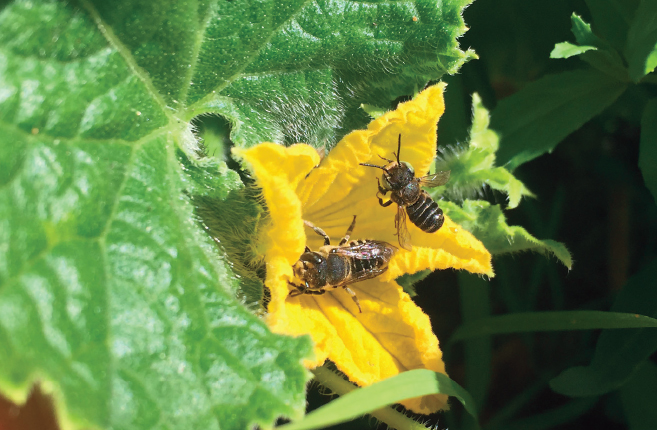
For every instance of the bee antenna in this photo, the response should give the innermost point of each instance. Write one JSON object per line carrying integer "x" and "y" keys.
{"x": 373, "y": 165}
{"x": 398, "y": 148}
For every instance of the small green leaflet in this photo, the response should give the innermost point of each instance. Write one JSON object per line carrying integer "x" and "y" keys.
{"x": 487, "y": 223}
{"x": 474, "y": 167}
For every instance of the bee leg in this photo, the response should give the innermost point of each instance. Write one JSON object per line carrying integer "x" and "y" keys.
{"x": 350, "y": 230}
{"x": 381, "y": 189}
{"x": 300, "y": 289}
{"x": 316, "y": 292}
{"x": 319, "y": 231}
{"x": 383, "y": 158}
{"x": 353, "y": 296}
{"x": 384, "y": 204}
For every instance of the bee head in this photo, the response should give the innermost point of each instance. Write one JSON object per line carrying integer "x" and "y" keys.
{"x": 398, "y": 175}
{"x": 409, "y": 168}
{"x": 310, "y": 269}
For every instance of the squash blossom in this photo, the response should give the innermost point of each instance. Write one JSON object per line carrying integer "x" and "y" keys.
{"x": 392, "y": 334}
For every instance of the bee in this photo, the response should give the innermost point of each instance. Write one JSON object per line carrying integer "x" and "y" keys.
{"x": 399, "y": 180}
{"x": 338, "y": 266}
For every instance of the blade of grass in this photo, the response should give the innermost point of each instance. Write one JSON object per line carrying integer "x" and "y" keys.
{"x": 551, "y": 321}
{"x": 356, "y": 402}
{"x": 475, "y": 305}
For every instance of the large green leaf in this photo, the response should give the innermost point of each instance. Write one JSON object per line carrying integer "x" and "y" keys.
{"x": 293, "y": 71}
{"x": 488, "y": 224}
{"x": 648, "y": 147}
{"x": 534, "y": 120}
{"x": 618, "y": 353}
{"x": 111, "y": 295}
{"x": 641, "y": 48}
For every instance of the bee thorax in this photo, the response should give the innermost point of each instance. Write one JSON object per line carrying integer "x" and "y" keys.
{"x": 337, "y": 269}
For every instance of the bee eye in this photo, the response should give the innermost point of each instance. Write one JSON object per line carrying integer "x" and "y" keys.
{"x": 408, "y": 165}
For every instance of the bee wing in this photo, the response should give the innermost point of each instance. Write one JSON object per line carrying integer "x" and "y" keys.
{"x": 403, "y": 236}
{"x": 366, "y": 275}
{"x": 367, "y": 251}
{"x": 435, "y": 180}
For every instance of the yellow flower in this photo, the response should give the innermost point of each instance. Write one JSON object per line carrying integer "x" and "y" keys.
{"x": 392, "y": 334}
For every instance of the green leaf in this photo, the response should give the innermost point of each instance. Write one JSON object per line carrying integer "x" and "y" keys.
{"x": 607, "y": 61}
{"x": 639, "y": 397}
{"x": 612, "y": 18}
{"x": 583, "y": 33}
{"x": 474, "y": 167}
{"x": 605, "y": 58}
{"x": 231, "y": 216}
{"x": 535, "y": 119}
{"x": 299, "y": 71}
{"x": 373, "y": 111}
{"x": 488, "y": 224}
{"x": 524, "y": 322}
{"x": 595, "y": 51}
{"x": 641, "y": 49}
{"x": 408, "y": 281}
{"x": 567, "y": 50}
{"x": 648, "y": 147}
{"x": 110, "y": 292}
{"x": 413, "y": 383}
{"x": 111, "y": 295}
{"x": 618, "y": 353}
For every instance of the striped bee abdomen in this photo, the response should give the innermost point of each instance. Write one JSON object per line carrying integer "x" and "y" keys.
{"x": 364, "y": 265}
{"x": 425, "y": 213}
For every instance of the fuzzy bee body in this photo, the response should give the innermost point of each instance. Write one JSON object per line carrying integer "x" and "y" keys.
{"x": 332, "y": 266}
{"x": 405, "y": 190}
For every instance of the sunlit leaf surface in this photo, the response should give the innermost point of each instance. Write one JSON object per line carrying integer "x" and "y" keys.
{"x": 111, "y": 294}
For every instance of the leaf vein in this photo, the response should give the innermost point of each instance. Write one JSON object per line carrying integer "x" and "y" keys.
{"x": 140, "y": 73}
{"x": 195, "y": 51}
{"x": 248, "y": 60}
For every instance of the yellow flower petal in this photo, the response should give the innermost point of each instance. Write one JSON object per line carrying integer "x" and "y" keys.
{"x": 279, "y": 171}
{"x": 449, "y": 247}
{"x": 340, "y": 188}
{"x": 392, "y": 334}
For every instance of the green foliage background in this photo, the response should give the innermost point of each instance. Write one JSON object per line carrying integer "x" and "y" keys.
{"x": 129, "y": 283}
